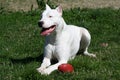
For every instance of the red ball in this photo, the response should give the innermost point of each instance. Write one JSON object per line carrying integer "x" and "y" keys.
{"x": 65, "y": 68}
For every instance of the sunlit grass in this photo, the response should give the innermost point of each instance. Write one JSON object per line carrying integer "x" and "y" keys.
{"x": 21, "y": 46}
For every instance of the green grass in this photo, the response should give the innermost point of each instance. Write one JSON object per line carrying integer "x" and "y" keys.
{"x": 21, "y": 46}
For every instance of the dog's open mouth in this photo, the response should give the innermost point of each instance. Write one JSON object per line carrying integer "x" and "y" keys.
{"x": 47, "y": 31}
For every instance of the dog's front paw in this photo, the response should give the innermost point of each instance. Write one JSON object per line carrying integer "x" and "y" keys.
{"x": 44, "y": 71}
{"x": 40, "y": 70}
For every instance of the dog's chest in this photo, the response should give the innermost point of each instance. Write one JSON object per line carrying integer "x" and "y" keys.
{"x": 54, "y": 53}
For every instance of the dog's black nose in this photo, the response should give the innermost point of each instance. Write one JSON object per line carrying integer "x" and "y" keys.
{"x": 40, "y": 24}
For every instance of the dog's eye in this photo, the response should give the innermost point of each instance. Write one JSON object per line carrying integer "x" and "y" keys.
{"x": 50, "y": 16}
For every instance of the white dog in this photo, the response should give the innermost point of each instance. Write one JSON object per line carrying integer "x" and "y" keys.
{"x": 62, "y": 41}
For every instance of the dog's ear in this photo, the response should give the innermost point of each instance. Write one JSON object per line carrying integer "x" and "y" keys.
{"x": 47, "y": 7}
{"x": 59, "y": 9}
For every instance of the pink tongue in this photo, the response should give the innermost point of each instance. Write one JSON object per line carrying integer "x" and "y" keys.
{"x": 47, "y": 32}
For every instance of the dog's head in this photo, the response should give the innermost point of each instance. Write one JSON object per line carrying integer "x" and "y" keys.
{"x": 50, "y": 20}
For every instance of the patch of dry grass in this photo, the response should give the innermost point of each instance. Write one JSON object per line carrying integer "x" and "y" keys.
{"x": 26, "y": 5}
{"x": 18, "y": 5}
{"x": 88, "y": 3}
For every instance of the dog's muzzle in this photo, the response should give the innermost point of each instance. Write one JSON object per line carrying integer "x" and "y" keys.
{"x": 46, "y": 31}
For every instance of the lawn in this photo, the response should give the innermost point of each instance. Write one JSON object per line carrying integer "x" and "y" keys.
{"x": 21, "y": 46}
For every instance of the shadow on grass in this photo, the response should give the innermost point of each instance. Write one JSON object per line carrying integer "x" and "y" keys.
{"x": 30, "y": 59}
{"x": 27, "y": 59}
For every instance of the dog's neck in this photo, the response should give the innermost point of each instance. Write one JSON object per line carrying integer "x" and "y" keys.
{"x": 61, "y": 26}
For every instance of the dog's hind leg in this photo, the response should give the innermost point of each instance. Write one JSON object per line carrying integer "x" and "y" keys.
{"x": 84, "y": 43}
{"x": 89, "y": 54}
